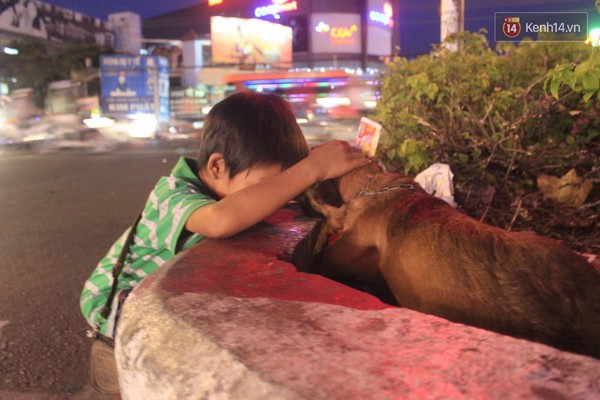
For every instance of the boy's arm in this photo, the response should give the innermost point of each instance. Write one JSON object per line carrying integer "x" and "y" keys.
{"x": 245, "y": 208}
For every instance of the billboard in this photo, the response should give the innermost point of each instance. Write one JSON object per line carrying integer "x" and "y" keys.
{"x": 249, "y": 41}
{"x": 380, "y": 24}
{"x": 135, "y": 85}
{"x": 335, "y": 33}
{"x": 43, "y": 20}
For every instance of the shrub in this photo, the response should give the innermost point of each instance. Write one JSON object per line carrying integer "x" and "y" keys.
{"x": 500, "y": 117}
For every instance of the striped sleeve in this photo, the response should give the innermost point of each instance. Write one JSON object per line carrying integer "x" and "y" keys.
{"x": 176, "y": 200}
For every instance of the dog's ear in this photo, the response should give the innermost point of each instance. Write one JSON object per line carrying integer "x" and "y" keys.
{"x": 325, "y": 199}
{"x": 327, "y": 193}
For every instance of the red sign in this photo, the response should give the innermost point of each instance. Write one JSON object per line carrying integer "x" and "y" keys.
{"x": 511, "y": 26}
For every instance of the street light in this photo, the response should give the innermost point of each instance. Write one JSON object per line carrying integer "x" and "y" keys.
{"x": 594, "y": 37}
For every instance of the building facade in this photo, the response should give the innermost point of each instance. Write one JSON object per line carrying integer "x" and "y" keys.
{"x": 32, "y": 19}
{"x": 356, "y": 34}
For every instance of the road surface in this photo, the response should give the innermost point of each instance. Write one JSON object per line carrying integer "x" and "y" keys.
{"x": 59, "y": 214}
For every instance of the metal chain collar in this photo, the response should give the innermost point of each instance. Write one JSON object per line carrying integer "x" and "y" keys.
{"x": 365, "y": 192}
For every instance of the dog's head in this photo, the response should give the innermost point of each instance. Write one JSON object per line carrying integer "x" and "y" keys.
{"x": 330, "y": 197}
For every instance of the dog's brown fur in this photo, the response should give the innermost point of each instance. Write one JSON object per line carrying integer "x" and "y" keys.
{"x": 438, "y": 260}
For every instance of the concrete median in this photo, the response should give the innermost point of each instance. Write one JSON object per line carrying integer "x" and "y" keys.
{"x": 236, "y": 319}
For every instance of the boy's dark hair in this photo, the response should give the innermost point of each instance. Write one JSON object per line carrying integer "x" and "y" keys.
{"x": 251, "y": 129}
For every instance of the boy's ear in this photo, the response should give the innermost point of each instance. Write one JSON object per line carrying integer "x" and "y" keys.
{"x": 216, "y": 166}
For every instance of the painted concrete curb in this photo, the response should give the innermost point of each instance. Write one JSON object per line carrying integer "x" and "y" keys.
{"x": 234, "y": 319}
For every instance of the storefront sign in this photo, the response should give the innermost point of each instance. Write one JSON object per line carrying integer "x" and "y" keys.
{"x": 380, "y": 25}
{"x": 335, "y": 33}
{"x": 385, "y": 18}
{"x": 277, "y": 7}
{"x": 135, "y": 85}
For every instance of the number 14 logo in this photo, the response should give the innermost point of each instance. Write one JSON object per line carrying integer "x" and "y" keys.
{"x": 511, "y": 26}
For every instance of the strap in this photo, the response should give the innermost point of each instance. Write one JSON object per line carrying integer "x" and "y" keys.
{"x": 116, "y": 271}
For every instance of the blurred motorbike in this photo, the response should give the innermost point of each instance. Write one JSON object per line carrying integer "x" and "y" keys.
{"x": 53, "y": 133}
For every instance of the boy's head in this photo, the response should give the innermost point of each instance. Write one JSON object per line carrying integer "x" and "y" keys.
{"x": 252, "y": 129}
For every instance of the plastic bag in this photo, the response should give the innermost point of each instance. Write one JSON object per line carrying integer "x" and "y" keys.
{"x": 437, "y": 180}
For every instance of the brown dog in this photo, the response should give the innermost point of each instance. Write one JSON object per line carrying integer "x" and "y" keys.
{"x": 439, "y": 261}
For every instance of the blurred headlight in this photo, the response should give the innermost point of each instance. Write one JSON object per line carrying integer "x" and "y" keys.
{"x": 329, "y": 102}
{"x": 143, "y": 126}
{"x": 100, "y": 122}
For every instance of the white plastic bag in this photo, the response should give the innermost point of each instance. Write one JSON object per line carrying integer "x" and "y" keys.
{"x": 437, "y": 180}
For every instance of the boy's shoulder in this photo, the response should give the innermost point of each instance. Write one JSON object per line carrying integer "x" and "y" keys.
{"x": 186, "y": 168}
{"x": 182, "y": 181}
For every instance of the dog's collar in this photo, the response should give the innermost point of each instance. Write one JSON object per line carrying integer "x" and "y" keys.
{"x": 366, "y": 192}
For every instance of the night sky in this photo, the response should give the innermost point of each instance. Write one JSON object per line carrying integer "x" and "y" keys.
{"x": 419, "y": 19}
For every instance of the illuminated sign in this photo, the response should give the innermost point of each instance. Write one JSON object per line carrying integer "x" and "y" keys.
{"x": 322, "y": 27}
{"x": 214, "y": 2}
{"x": 385, "y": 17}
{"x": 274, "y": 9}
{"x": 338, "y": 34}
{"x": 343, "y": 33}
{"x": 249, "y": 41}
{"x": 133, "y": 85}
{"x": 335, "y": 33}
{"x": 380, "y": 24}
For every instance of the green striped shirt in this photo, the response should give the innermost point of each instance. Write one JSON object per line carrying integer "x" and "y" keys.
{"x": 158, "y": 238}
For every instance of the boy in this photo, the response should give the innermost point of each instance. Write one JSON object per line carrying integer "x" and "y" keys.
{"x": 253, "y": 160}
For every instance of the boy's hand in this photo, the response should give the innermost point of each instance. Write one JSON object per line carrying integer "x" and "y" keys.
{"x": 335, "y": 158}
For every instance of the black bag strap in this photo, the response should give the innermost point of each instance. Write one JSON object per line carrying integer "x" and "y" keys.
{"x": 116, "y": 271}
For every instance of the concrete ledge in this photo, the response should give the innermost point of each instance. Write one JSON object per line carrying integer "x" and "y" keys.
{"x": 233, "y": 319}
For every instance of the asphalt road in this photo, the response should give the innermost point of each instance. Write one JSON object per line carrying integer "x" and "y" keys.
{"x": 59, "y": 214}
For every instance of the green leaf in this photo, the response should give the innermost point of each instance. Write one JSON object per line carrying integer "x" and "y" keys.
{"x": 582, "y": 69}
{"x": 590, "y": 83}
{"x": 569, "y": 78}
{"x": 554, "y": 86}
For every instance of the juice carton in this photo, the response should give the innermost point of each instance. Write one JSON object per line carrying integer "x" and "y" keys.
{"x": 368, "y": 136}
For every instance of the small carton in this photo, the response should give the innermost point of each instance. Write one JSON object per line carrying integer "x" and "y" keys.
{"x": 368, "y": 136}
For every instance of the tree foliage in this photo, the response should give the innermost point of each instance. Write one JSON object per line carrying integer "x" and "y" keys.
{"x": 38, "y": 64}
{"x": 500, "y": 117}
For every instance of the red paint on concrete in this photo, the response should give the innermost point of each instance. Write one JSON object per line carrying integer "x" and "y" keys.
{"x": 256, "y": 263}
